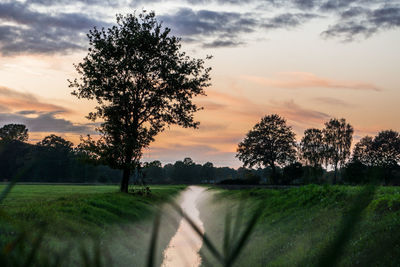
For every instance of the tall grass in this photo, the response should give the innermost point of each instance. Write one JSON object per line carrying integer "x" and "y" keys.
{"x": 26, "y": 246}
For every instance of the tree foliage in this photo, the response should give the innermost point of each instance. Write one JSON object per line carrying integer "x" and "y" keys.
{"x": 337, "y": 138}
{"x": 270, "y": 143}
{"x": 312, "y": 147}
{"x": 57, "y": 143}
{"x": 141, "y": 82}
{"x": 363, "y": 151}
{"x": 381, "y": 151}
{"x": 14, "y": 132}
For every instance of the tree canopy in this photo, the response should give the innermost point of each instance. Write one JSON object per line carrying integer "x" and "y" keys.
{"x": 270, "y": 143}
{"x": 142, "y": 81}
{"x": 14, "y": 132}
{"x": 312, "y": 147}
{"x": 338, "y": 135}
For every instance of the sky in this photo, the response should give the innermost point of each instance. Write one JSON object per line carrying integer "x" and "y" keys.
{"x": 306, "y": 60}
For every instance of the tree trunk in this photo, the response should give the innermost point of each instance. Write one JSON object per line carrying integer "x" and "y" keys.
{"x": 335, "y": 174}
{"x": 273, "y": 176}
{"x": 125, "y": 180}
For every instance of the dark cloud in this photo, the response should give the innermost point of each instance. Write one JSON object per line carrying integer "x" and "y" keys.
{"x": 30, "y": 31}
{"x": 363, "y": 21}
{"x": 72, "y": 2}
{"x": 45, "y": 122}
{"x": 223, "y": 27}
{"x": 288, "y": 20}
{"x": 222, "y": 43}
{"x": 27, "y": 30}
{"x": 226, "y": 28}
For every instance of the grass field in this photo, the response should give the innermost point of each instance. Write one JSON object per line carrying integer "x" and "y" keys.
{"x": 298, "y": 224}
{"x": 98, "y": 216}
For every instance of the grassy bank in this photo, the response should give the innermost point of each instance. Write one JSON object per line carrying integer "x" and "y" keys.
{"x": 298, "y": 224}
{"x": 118, "y": 225}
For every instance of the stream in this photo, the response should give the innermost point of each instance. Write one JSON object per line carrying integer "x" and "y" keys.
{"x": 183, "y": 248}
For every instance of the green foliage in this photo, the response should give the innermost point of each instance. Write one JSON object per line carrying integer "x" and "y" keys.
{"x": 65, "y": 216}
{"x": 297, "y": 225}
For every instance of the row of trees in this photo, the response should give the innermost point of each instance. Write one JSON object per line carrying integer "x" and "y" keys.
{"x": 272, "y": 143}
{"x": 53, "y": 159}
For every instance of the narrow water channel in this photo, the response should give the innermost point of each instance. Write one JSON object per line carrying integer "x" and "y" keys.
{"x": 183, "y": 248}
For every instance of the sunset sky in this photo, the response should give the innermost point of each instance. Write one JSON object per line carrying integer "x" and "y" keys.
{"x": 305, "y": 60}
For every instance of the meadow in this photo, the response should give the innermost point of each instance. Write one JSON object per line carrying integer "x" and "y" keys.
{"x": 73, "y": 222}
{"x": 299, "y": 225}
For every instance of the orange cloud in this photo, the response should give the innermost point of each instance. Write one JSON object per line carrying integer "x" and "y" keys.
{"x": 17, "y": 101}
{"x": 297, "y": 80}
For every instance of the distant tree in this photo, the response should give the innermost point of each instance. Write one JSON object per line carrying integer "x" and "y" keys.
{"x": 382, "y": 152}
{"x": 14, "y": 132}
{"x": 153, "y": 171}
{"x": 208, "y": 171}
{"x": 355, "y": 172}
{"x": 270, "y": 143}
{"x": 56, "y": 143}
{"x": 312, "y": 147}
{"x": 188, "y": 161}
{"x": 363, "y": 151}
{"x": 292, "y": 172}
{"x": 337, "y": 138}
{"x": 142, "y": 82}
{"x": 386, "y": 149}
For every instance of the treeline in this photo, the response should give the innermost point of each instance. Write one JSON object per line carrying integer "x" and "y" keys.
{"x": 269, "y": 152}
{"x": 272, "y": 144}
{"x": 53, "y": 159}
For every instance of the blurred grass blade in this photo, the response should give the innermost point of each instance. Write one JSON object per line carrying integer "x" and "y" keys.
{"x": 331, "y": 254}
{"x": 206, "y": 240}
{"x": 227, "y": 232}
{"x": 245, "y": 235}
{"x": 153, "y": 242}
{"x": 238, "y": 221}
{"x": 13, "y": 181}
{"x": 34, "y": 251}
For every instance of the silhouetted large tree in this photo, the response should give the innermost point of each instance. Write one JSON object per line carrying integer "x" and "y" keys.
{"x": 14, "y": 132}
{"x": 141, "y": 82}
{"x": 270, "y": 143}
{"x": 337, "y": 138}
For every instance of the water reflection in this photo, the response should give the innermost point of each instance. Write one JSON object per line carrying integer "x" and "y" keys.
{"x": 183, "y": 249}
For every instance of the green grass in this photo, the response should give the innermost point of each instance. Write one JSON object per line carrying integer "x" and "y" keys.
{"x": 72, "y": 215}
{"x": 299, "y": 224}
